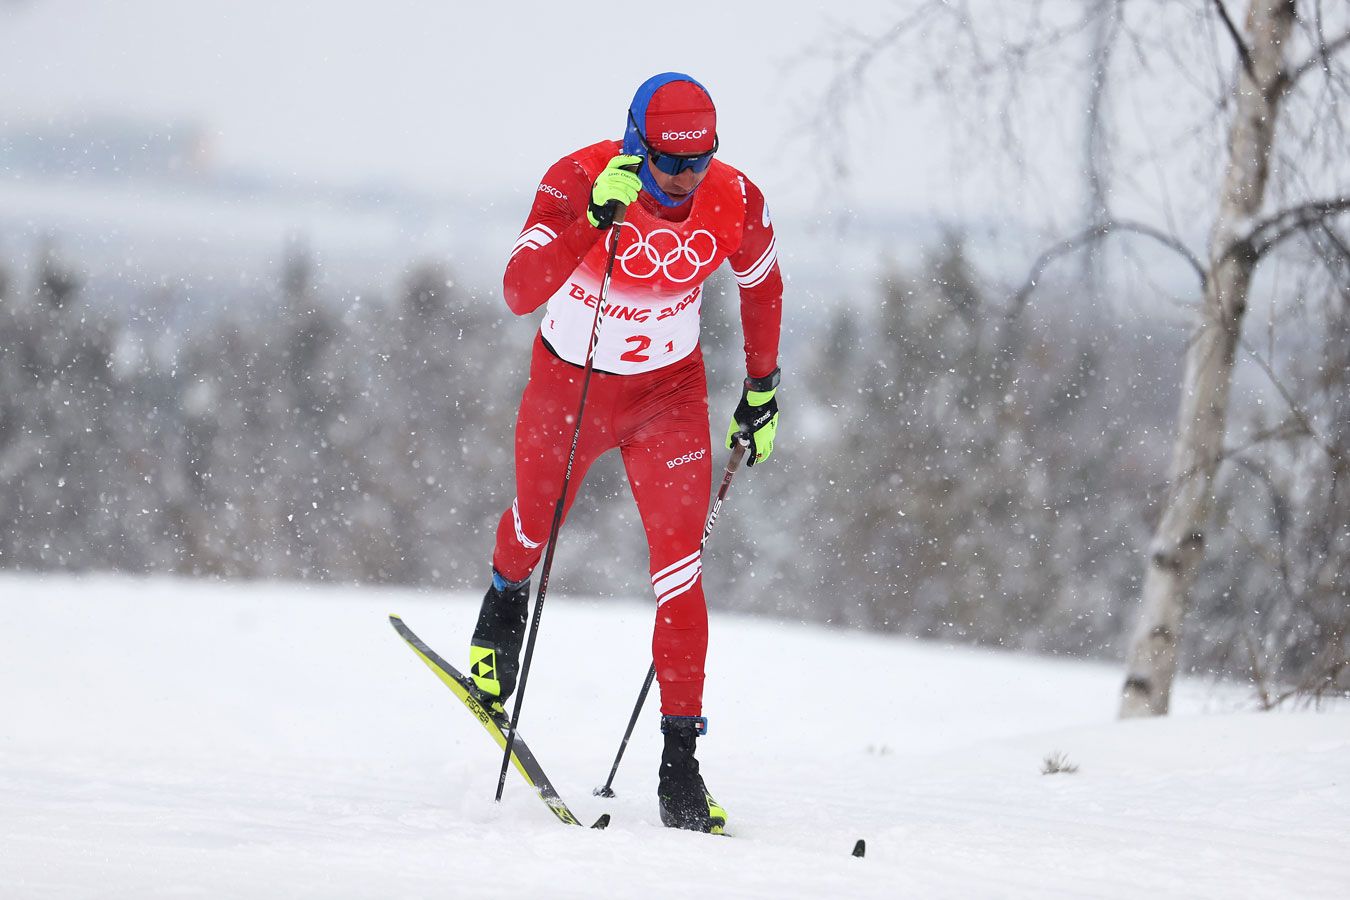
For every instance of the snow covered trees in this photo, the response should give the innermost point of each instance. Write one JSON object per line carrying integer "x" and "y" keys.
{"x": 296, "y": 433}
{"x": 55, "y": 420}
{"x": 974, "y": 475}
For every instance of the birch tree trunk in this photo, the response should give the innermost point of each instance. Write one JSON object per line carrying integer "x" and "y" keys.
{"x": 1178, "y": 543}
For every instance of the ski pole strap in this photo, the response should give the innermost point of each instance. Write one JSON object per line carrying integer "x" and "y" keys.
{"x": 765, "y": 382}
{"x": 700, "y": 723}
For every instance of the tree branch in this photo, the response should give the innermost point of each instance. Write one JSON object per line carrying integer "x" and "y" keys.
{"x": 1273, "y": 230}
{"x": 1295, "y": 411}
{"x": 1341, "y": 275}
{"x": 1090, "y": 236}
{"x": 1290, "y": 77}
{"x": 847, "y": 79}
{"x": 1335, "y": 240}
{"x": 1244, "y": 53}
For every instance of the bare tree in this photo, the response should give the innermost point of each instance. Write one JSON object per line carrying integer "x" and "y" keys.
{"x": 1270, "y": 190}
{"x": 1179, "y": 541}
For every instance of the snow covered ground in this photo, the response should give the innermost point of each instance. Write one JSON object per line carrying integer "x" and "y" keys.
{"x": 163, "y": 738}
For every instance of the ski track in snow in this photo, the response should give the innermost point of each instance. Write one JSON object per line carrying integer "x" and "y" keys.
{"x": 167, "y": 738}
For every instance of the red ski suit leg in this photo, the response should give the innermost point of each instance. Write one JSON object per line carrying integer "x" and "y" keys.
{"x": 544, "y": 427}
{"x": 659, "y": 420}
{"x": 668, "y": 458}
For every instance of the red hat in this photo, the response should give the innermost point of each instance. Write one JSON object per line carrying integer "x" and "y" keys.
{"x": 680, "y": 119}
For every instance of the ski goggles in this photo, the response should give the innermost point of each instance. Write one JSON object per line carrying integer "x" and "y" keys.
{"x": 675, "y": 163}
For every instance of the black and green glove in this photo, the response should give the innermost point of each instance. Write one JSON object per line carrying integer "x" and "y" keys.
{"x": 617, "y": 184}
{"x": 756, "y": 416}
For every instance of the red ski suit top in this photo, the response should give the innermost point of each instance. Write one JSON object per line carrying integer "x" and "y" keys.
{"x": 648, "y": 396}
{"x": 654, "y": 294}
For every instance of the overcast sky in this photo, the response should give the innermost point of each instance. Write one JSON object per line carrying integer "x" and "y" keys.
{"x": 478, "y": 99}
{"x": 469, "y": 97}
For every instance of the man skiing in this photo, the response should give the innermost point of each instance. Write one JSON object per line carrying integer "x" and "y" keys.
{"x": 687, "y": 212}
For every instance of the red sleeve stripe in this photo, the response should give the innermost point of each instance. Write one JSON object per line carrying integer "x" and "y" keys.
{"x": 533, "y": 238}
{"x": 761, "y": 269}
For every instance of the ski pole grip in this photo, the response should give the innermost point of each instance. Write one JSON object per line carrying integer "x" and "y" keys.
{"x": 738, "y": 452}
{"x": 621, "y": 209}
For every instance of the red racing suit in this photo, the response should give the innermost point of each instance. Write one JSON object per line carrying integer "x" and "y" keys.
{"x": 648, "y": 395}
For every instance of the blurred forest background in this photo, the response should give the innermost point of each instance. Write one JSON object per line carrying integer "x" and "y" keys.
{"x": 949, "y": 468}
{"x": 958, "y": 459}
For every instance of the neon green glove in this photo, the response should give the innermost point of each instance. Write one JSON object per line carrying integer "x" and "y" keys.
{"x": 618, "y": 183}
{"x": 756, "y": 416}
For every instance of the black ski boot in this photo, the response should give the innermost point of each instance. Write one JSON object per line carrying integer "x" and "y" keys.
{"x": 494, "y": 653}
{"x": 683, "y": 798}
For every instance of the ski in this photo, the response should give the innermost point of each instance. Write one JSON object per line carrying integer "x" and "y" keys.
{"x": 495, "y": 723}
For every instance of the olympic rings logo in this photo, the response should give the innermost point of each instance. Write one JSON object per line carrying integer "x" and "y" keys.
{"x": 662, "y": 250}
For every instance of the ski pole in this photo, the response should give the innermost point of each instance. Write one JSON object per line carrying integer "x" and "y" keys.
{"x": 620, "y": 210}
{"x": 734, "y": 463}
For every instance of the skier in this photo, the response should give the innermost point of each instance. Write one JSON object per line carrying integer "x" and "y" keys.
{"x": 687, "y": 213}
